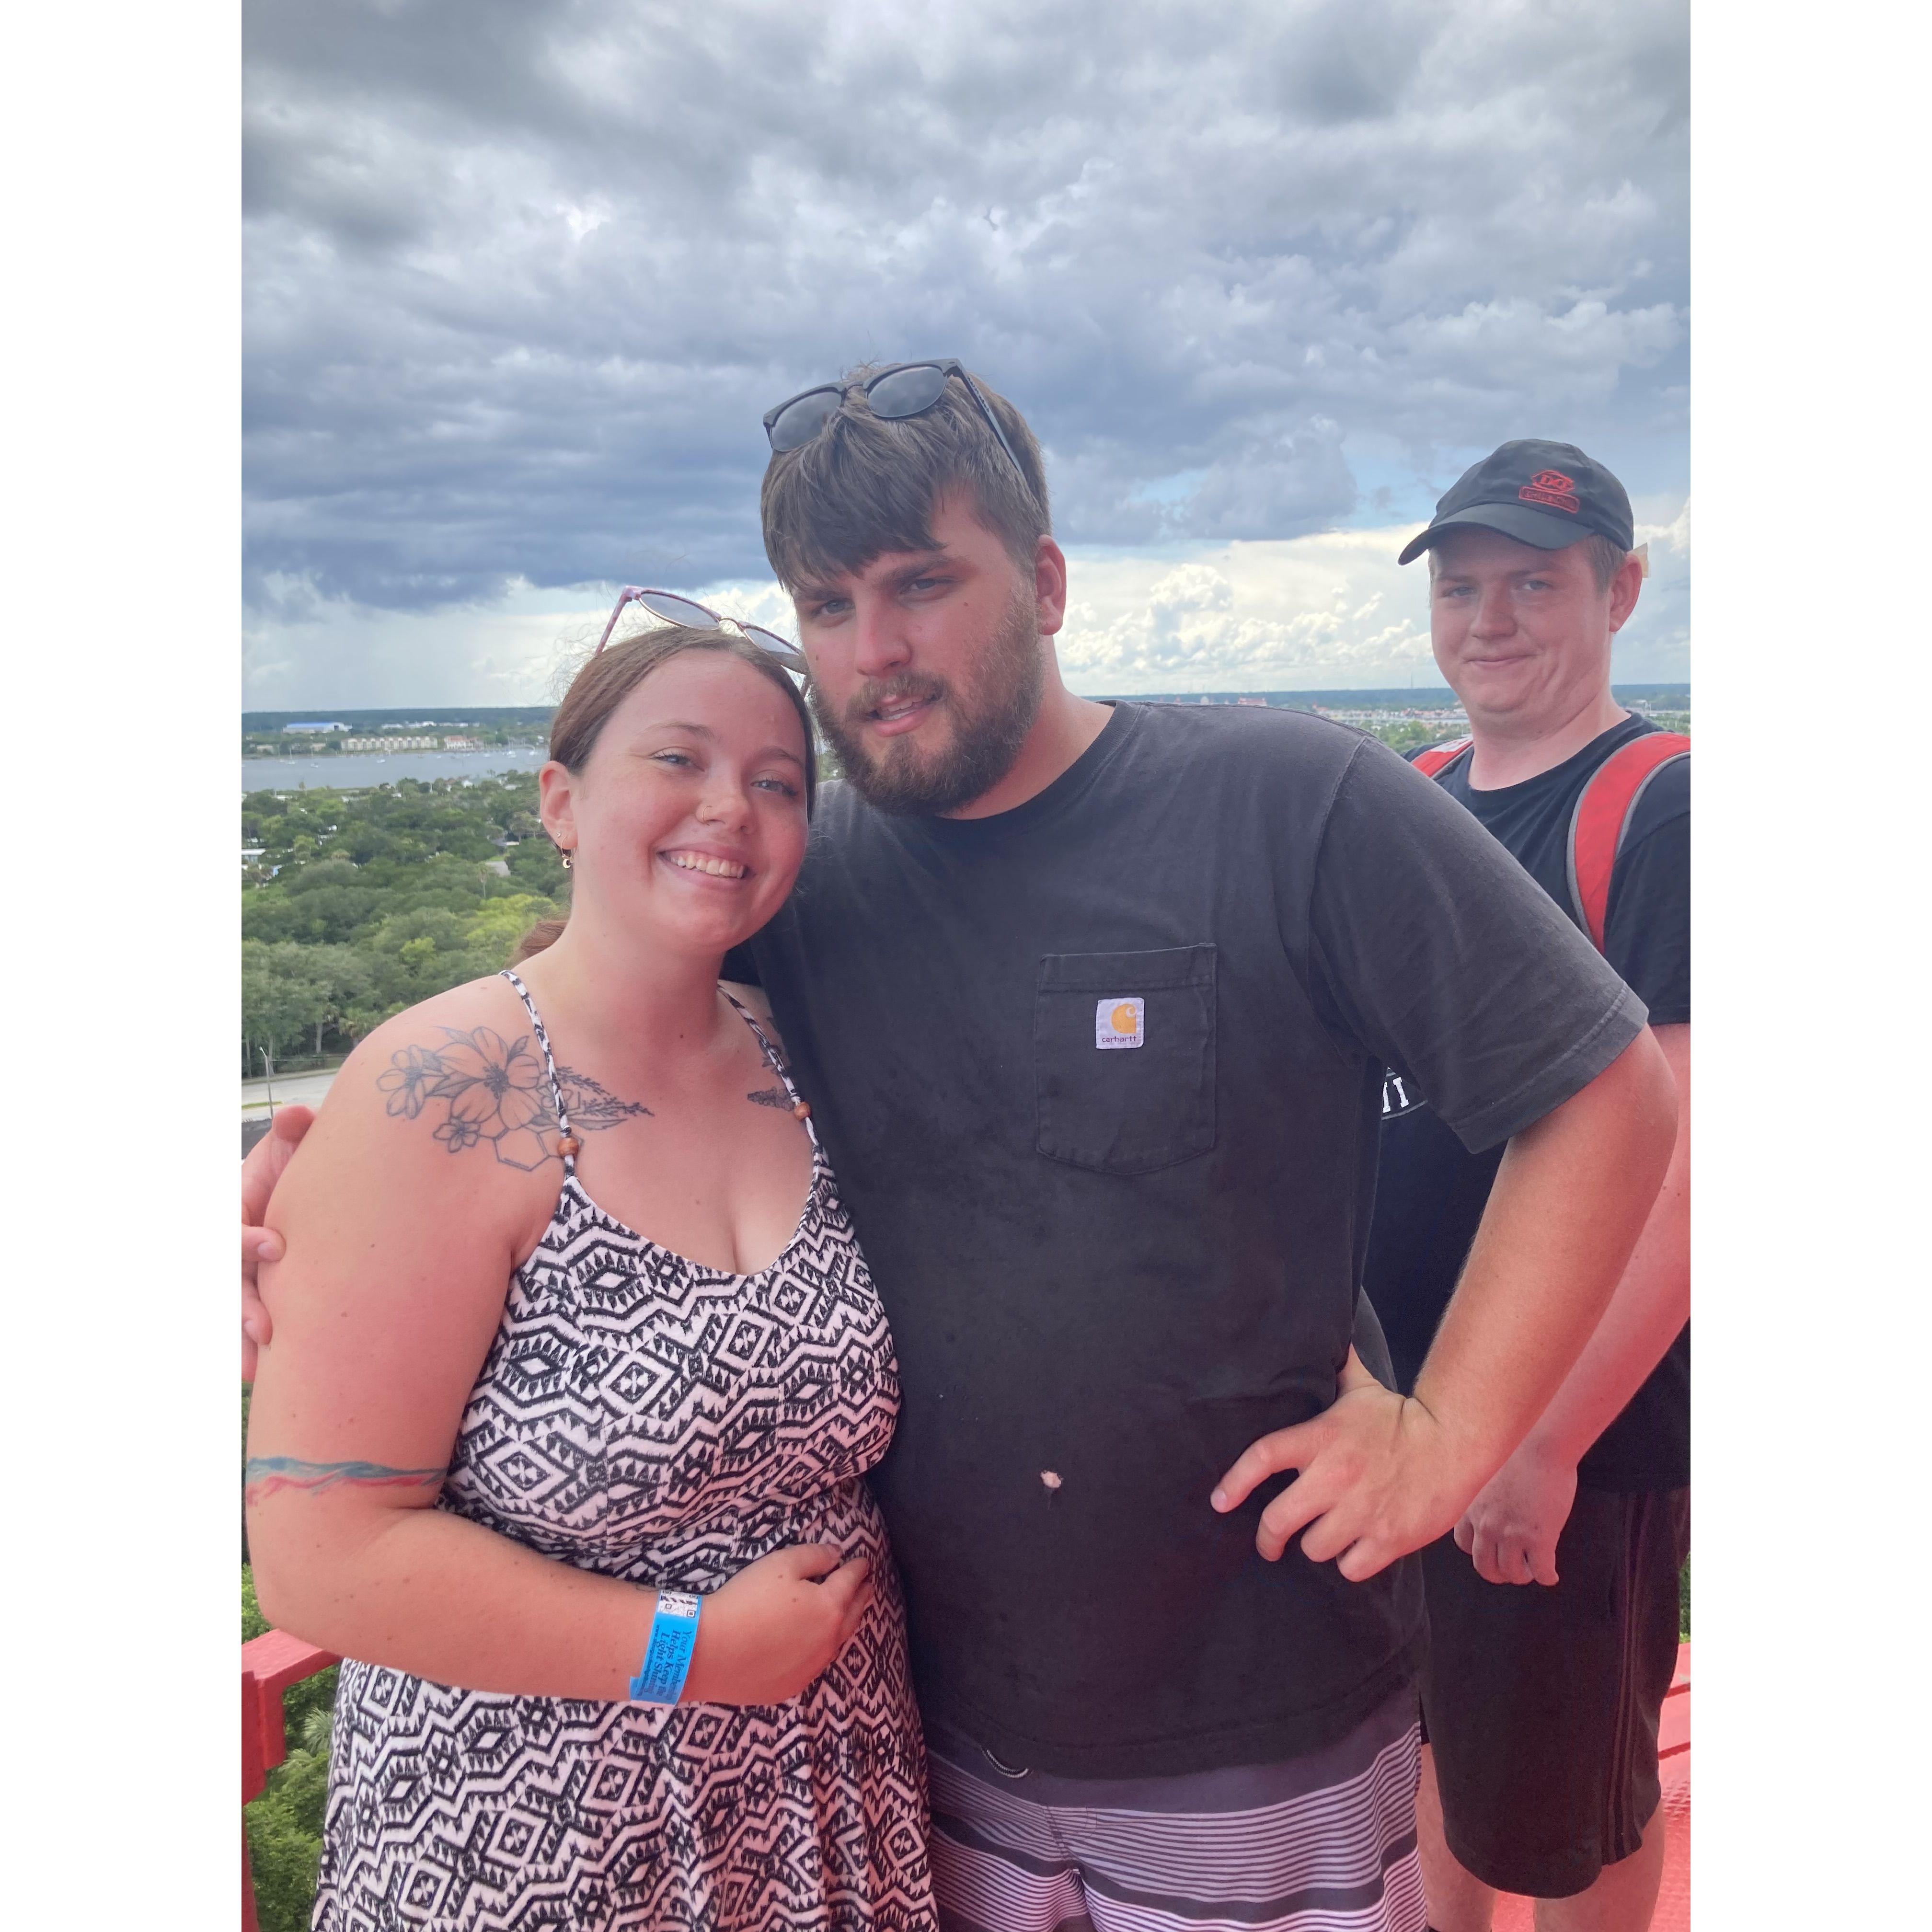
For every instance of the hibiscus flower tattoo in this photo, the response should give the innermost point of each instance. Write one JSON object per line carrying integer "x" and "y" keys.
{"x": 497, "y": 1090}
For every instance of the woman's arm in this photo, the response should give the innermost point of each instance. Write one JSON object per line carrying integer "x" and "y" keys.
{"x": 400, "y": 1242}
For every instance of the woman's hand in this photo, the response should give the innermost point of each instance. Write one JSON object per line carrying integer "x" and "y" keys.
{"x": 770, "y": 1630}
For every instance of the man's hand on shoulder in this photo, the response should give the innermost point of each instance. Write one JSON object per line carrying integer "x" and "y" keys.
{"x": 1378, "y": 1477}
{"x": 266, "y": 1161}
{"x": 1510, "y": 1531}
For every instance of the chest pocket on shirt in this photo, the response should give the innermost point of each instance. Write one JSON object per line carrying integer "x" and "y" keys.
{"x": 1145, "y": 1098}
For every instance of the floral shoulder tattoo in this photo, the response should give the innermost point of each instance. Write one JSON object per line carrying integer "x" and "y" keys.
{"x": 487, "y": 1088}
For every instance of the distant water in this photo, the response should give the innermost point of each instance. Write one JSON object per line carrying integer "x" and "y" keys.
{"x": 375, "y": 768}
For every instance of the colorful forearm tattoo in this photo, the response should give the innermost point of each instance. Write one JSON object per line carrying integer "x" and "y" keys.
{"x": 263, "y": 1475}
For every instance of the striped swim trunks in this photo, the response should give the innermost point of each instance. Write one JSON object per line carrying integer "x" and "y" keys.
{"x": 1322, "y": 1843}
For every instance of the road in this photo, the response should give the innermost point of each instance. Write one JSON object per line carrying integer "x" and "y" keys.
{"x": 308, "y": 1088}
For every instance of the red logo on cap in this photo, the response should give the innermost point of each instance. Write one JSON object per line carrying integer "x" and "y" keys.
{"x": 1553, "y": 487}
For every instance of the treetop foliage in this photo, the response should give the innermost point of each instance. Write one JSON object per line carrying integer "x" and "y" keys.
{"x": 360, "y": 903}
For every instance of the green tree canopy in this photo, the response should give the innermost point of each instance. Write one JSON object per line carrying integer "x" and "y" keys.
{"x": 379, "y": 899}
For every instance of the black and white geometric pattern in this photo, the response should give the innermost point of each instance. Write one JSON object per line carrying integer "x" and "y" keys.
{"x": 647, "y": 1417}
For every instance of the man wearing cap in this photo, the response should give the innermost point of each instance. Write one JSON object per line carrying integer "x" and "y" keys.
{"x": 1553, "y": 1608}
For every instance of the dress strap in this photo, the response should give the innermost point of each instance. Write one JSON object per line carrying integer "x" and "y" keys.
{"x": 567, "y": 1141}
{"x": 800, "y": 1107}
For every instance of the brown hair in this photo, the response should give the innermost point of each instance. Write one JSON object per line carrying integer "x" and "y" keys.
{"x": 1607, "y": 556}
{"x": 865, "y": 484}
{"x": 610, "y": 677}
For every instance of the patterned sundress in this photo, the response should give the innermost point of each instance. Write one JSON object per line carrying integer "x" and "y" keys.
{"x": 647, "y": 1417}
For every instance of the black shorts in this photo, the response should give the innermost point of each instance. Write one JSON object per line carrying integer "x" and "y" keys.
{"x": 1541, "y": 1704}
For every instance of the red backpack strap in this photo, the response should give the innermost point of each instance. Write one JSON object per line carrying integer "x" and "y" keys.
{"x": 1603, "y": 816}
{"x": 1437, "y": 760}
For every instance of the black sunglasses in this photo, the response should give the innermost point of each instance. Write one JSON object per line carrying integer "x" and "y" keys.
{"x": 905, "y": 389}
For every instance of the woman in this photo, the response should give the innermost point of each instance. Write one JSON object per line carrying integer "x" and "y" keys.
{"x": 559, "y": 1364}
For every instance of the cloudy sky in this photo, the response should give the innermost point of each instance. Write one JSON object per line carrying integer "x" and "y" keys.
{"x": 1264, "y": 276}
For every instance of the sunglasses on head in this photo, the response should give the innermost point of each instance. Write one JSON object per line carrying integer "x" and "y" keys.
{"x": 905, "y": 389}
{"x": 675, "y": 610}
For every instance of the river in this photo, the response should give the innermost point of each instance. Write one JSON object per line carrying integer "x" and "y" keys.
{"x": 373, "y": 768}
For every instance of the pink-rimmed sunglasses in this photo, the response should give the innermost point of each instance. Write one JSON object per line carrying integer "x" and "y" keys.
{"x": 675, "y": 610}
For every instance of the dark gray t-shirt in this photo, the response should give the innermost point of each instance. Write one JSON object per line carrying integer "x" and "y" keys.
{"x": 1101, "y": 1078}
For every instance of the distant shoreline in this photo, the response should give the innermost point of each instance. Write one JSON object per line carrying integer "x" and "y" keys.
{"x": 359, "y": 771}
{"x": 1392, "y": 697}
{"x": 1406, "y": 698}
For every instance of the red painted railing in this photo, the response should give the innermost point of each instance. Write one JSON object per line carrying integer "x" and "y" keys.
{"x": 270, "y": 1664}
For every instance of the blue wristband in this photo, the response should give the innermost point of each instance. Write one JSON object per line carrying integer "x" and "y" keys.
{"x": 660, "y": 1677}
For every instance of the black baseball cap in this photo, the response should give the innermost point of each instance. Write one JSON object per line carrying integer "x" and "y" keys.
{"x": 1549, "y": 494}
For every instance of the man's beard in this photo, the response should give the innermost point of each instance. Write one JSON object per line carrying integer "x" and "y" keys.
{"x": 989, "y": 725}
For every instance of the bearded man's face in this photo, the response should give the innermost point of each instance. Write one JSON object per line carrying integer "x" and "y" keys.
{"x": 927, "y": 671}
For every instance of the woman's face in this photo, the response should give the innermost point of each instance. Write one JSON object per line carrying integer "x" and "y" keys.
{"x": 687, "y": 821}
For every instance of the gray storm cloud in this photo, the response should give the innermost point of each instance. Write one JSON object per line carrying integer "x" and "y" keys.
{"x": 522, "y": 277}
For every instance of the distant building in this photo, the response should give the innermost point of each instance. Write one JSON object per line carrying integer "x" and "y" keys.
{"x": 315, "y": 728}
{"x": 499, "y": 866}
{"x": 460, "y": 745}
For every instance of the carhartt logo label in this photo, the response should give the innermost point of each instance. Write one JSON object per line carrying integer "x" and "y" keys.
{"x": 1553, "y": 487}
{"x": 1120, "y": 1023}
